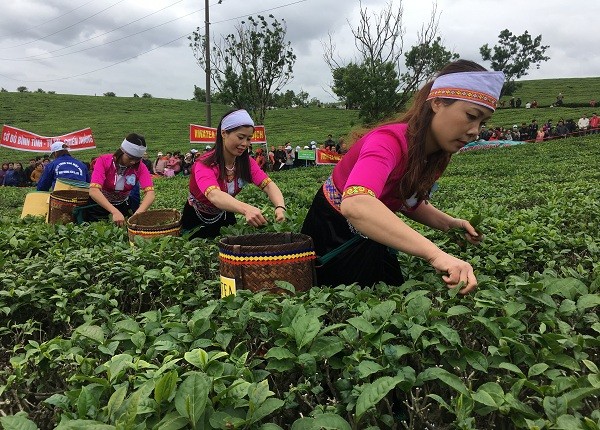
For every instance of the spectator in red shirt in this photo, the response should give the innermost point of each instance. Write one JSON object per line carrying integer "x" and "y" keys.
{"x": 594, "y": 123}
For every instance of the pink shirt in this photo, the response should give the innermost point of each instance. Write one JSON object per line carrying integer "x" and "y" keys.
{"x": 104, "y": 176}
{"x": 376, "y": 161}
{"x": 206, "y": 178}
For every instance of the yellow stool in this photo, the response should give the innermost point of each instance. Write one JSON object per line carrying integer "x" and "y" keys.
{"x": 36, "y": 204}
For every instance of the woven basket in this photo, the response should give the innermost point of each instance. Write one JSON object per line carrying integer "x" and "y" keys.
{"x": 62, "y": 203}
{"x": 154, "y": 223}
{"x": 256, "y": 261}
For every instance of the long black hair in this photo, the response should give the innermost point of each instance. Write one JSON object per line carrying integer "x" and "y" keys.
{"x": 216, "y": 157}
{"x": 420, "y": 176}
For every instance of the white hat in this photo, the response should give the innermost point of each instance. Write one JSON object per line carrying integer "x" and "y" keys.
{"x": 306, "y": 147}
{"x": 208, "y": 147}
{"x": 193, "y": 151}
{"x": 515, "y": 126}
{"x": 160, "y": 154}
{"x": 313, "y": 142}
{"x": 58, "y": 146}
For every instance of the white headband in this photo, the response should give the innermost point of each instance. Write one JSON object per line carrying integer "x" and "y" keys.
{"x": 482, "y": 88}
{"x": 132, "y": 149}
{"x": 236, "y": 119}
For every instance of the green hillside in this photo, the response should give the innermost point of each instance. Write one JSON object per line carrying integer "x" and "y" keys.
{"x": 165, "y": 122}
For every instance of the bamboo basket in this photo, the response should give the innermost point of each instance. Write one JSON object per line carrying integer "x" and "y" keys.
{"x": 154, "y": 223}
{"x": 255, "y": 261}
{"x": 62, "y": 203}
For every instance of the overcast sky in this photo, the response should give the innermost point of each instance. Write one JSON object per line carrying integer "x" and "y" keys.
{"x": 140, "y": 46}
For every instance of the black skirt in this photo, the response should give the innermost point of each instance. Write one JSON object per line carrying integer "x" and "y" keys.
{"x": 197, "y": 228}
{"x": 365, "y": 262}
{"x": 94, "y": 212}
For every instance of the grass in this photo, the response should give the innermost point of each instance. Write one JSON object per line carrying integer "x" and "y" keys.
{"x": 165, "y": 122}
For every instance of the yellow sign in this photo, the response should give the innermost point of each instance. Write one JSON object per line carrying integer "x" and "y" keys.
{"x": 227, "y": 286}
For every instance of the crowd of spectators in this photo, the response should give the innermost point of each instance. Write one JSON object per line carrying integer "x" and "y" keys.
{"x": 540, "y": 132}
{"x": 13, "y": 174}
{"x": 284, "y": 157}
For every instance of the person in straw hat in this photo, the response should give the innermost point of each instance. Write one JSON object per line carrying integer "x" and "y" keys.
{"x": 393, "y": 168}
{"x": 219, "y": 175}
{"x": 113, "y": 179}
{"x": 64, "y": 166}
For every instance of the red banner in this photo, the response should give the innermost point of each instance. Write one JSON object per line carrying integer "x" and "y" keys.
{"x": 202, "y": 134}
{"x": 22, "y": 140}
{"x": 324, "y": 156}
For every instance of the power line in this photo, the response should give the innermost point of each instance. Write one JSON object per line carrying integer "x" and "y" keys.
{"x": 153, "y": 49}
{"x": 46, "y": 22}
{"x": 66, "y": 28}
{"x": 38, "y": 57}
{"x": 41, "y": 56}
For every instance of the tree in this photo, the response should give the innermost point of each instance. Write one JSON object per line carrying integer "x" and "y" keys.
{"x": 375, "y": 82}
{"x": 109, "y": 94}
{"x": 283, "y": 100}
{"x": 146, "y": 96}
{"x": 370, "y": 87}
{"x": 423, "y": 61}
{"x": 514, "y": 56}
{"x": 199, "y": 94}
{"x": 301, "y": 99}
{"x": 249, "y": 65}
{"x": 22, "y": 89}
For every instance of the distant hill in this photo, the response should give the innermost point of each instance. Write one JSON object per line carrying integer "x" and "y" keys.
{"x": 165, "y": 122}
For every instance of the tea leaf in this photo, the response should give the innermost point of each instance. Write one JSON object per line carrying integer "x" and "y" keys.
{"x": 192, "y": 395}
{"x": 18, "y": 422}
{"x": 165, "y": 386}
{"x": 373, "y": 393}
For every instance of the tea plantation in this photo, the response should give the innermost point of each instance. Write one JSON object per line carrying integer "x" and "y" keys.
{"x": 98, "y": 334}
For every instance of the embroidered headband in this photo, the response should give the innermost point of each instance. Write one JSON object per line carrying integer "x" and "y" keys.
{"x": 482, "y": 88}
{"x": 236, "y": 119}
{"x": 132, "y": 149}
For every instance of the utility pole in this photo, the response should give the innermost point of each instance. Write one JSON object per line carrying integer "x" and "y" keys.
{"x": 207, "y": 53}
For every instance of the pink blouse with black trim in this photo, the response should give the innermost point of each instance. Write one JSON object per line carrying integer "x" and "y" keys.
{"x": 374, "y": 165}
{"x": 104, "y": 176}
{"x": 204, "y": 179}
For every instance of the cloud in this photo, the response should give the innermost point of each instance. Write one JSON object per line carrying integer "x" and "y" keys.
{"x": 137, "y": 46}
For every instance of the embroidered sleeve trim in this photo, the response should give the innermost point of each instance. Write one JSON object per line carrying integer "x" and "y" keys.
{"x": 356, "y": 190}
{"x": 148, "y": 189}
{"x": 93, "y": 185}
{"x": 209, "y": 189}
{"x": 264, "y": 183}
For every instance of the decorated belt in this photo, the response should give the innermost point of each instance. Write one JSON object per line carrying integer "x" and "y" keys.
{"x": 208, "y": 214}
{"x": 333, "y": 196}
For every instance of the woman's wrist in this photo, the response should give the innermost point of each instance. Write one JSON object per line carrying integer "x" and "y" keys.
{"x": 280, "y": 207}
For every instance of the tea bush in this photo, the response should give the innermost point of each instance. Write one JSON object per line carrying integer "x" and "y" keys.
{"x": 95, "y": 333}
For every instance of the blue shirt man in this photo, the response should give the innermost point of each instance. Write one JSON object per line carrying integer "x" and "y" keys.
{"x": 62, "y": 167}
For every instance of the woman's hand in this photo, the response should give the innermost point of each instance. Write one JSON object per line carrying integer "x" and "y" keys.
{"x": 455, "y": 271}
{"x": 118, "y": 218}
{"x": 254, "y": 216}
{"x": 471, "y": 234}
{"x": 279, "y": 214}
